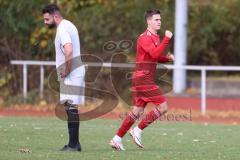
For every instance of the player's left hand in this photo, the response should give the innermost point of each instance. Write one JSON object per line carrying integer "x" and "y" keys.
{"x": 170, "y": 57}
{"x": 168, "y": 34}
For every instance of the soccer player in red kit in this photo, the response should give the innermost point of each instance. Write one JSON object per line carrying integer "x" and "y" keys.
{"x": 149, "y": 52}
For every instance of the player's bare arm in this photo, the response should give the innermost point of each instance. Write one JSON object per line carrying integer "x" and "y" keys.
{"x": 68, "y": 59}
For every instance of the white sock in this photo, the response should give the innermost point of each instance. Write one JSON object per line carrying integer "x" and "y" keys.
{"x": 117, "y": 138}
{"x": 138, "y": 130}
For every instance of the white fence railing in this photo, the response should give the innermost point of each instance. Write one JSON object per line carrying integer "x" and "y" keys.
{"x": 203, "y": 70}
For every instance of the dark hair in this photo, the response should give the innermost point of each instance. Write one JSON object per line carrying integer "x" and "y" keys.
{"x": 51, "y": 8}
{"x": 150, "y": 13}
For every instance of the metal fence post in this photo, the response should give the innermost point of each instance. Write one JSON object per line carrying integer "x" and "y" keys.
{"x": 41, "y": 81}
{"x": 25, "y": 82}
{"x": 203, "y": 91}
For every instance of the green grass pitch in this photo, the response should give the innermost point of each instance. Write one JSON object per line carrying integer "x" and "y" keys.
{"x": 162, "y": 140}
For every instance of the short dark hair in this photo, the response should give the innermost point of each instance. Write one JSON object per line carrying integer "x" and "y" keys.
{"x": 150, "y": 13}
{"x": 51, "y": 9}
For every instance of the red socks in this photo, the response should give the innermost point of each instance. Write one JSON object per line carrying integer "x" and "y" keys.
{"x": 149, "y": 118}
{"x": 131, "y": 118}
{"x": 126, "y": 124}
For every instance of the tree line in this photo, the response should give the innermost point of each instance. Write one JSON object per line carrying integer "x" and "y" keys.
{"x": 213, "y": 30}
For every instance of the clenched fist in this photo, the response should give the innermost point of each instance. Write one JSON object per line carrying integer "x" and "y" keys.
{"x": 168, "y": 34}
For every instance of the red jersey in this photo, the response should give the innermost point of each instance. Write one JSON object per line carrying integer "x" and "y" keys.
{"x": 149, "y": 53}
{"x": 150, "y": 49}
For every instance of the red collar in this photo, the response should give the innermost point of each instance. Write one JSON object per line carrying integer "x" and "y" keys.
{"x": 152, "y": 33}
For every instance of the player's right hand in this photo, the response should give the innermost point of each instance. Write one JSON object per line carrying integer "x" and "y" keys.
{"x": 168, "y": 34}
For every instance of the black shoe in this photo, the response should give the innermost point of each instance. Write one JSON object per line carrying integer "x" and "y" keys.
{"x": 68, "y": 148}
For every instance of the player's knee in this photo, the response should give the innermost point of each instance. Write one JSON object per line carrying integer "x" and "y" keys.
{"x": 72, "y": 112}
{"x": 137, "y": 111}
{"x": 163, "y": 108}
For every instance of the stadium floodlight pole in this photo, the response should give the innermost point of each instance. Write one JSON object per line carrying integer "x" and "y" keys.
{"x": 180, "y": 42}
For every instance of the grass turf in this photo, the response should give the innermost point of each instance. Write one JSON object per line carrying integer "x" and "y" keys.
{"x": 162, "y": 140}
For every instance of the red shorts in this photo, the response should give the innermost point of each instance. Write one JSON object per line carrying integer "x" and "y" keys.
{"x": 144, "y": 88}
{"x": 147, "y": 94}
{"x": 142, "y": 102}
